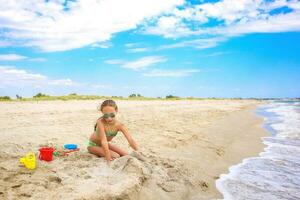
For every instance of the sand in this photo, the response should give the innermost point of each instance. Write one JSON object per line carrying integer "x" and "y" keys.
{"x": 184, "y": 147}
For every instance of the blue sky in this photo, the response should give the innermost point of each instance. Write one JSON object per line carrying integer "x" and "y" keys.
{"x": 229, "y": 48}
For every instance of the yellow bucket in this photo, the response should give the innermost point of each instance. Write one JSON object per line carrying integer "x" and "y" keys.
{"x": 29, "y": 160}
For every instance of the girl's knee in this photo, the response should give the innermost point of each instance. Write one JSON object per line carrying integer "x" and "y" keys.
{"x": 89, "y": 149}
{"x": 95, "y": 151}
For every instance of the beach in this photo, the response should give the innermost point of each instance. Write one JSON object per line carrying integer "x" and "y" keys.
{"x": 274, "y": 174}
{"x": 184, "y": 146}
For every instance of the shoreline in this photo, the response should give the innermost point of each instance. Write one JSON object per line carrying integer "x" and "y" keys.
{"x": 251, "y": 145}
{"x": 185, "y": 146}
{"x": 272, "y": 174}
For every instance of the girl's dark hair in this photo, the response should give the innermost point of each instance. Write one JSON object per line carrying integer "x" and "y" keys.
{"x": 108, "y": 102}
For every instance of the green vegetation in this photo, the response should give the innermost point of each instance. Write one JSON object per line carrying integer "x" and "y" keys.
{"x": 40, "y": 95}
{"x": 173, "y": 97}
{"x": 135, "y": 95}
{"x": 138, "y": 97}
{"x": 5, "y": 98}
{"x": 74, "y": 96}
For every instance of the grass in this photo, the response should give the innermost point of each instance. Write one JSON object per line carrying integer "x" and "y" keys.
{"x": 94, "y": 97}
{"x": 73, "y": 96}
{"x": 42, "y": 97}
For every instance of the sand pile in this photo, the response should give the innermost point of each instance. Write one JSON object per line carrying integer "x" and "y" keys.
{"x": 84, "y": 176}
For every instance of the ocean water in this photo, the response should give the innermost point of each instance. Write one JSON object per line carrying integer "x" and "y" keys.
{"x": 275, "y": 174}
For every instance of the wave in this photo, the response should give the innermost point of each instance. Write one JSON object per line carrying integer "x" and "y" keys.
{"x": 275, "y": 174}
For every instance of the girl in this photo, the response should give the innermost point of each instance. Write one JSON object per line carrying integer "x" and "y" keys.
{"x": 105, "y": 130}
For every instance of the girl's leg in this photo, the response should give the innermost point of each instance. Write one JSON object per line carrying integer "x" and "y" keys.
{"x": 118, "y": 150}
{"x": 100, "y": 152}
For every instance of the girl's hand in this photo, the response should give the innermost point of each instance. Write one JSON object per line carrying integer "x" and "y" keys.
{"x": 112, "y": 158}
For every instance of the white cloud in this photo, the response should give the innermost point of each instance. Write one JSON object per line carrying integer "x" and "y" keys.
{"x": 277, "y": 23}
{"x": 136, "y": 50}
{"x": 138, "y": 64}
{"x": 130, "y": 45}
{"x": 10, "y": 76}
{"x": 169, "y": 27}
{"x": 62, "y": 82}
{"x": 11, "y": 57}
{"x": 190, "y": 13}
{"x": 219, "y": 53}
{"x": 171, "y": 73}
{"x": 203, "y": 43}
{"x": 50, "y": 26}
{"x": 230, "y": 10}
{"x": 38, "y": 59}
{"x": 103, "y": 45}
{"x": 144, "y": 62}
{"x": 16, "y": 57}
{"x": 231, "y": 18}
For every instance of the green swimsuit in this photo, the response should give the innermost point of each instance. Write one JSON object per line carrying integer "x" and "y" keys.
{"x": 108, "y": 133}
{"x": 91, "y": 144}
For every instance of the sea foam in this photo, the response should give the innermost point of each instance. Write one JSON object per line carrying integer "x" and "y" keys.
{"x": 275, "y": 174}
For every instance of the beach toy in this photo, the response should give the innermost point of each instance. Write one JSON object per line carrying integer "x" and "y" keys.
{"x": 46, "y": 153}
{"x": 56, "y": 153}
{"x": 64, "y": 152}
{"x": 70, "y": 146}
{"x": 29, "y": 160}
{"x": 70, "y": 151}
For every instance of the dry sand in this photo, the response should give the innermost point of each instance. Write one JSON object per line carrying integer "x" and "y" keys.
{"x": 184, "y": 145}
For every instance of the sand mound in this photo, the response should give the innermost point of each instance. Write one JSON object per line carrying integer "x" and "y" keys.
{"x": 84, "y": 176}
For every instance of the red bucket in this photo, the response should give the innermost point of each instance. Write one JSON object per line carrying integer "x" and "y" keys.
{"x": 46, "y": 153}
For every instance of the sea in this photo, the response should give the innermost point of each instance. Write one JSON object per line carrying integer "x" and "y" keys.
{"x": 275, "y": 173}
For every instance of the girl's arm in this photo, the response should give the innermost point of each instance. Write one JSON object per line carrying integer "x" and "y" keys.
{"x": 100, "y": 132}
{"x": 130, "y": 140}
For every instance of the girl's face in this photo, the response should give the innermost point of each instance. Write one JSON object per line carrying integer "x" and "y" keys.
{"x": 109, "y": 114}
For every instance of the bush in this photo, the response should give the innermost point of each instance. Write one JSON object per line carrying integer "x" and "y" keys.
{"x": 171, "y": 97}
{"x": 132, "y": 95}
{"x": 135, "y": 95}
{"x": 117, "y": 97}
{"x": 39, "y": 95}
{"x": 4, "y": 98}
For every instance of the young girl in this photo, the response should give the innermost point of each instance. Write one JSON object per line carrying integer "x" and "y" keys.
{"x": 105, "y": 130}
